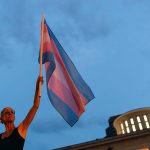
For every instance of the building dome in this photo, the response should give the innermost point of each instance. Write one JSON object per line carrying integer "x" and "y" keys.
{"x": 132, "y": 121}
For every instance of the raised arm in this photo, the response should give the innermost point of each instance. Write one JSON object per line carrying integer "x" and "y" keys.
{"x": 22, "y": 128}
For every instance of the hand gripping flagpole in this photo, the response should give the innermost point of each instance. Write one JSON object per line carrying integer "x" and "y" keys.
{"x": 41, "y": 53}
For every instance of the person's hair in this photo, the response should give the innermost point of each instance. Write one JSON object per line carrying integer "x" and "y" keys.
{"x": 2, "y": 111}
{"x": 1, "y": 115}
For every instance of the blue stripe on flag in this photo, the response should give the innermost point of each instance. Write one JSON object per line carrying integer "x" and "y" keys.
{"x": 70, "y": 117}
{"x": 48, "y": 57}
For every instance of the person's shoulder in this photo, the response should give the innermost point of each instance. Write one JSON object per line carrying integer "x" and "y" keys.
{"x": 22, "y": 132}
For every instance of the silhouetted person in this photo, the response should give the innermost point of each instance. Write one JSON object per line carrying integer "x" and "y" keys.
{"x": 14, "y": 137}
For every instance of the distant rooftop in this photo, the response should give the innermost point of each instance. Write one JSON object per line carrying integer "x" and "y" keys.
{"x": 107, "y": 141}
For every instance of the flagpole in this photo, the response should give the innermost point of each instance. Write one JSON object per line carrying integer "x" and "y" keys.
{"x": 41, "y": 53}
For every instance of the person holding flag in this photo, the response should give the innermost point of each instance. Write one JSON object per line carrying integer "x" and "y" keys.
{"x": 66, "y": 89}
{"x": 13, "y": 138}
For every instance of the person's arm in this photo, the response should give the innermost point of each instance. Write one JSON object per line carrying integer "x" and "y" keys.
{"x": 22, "y": 128}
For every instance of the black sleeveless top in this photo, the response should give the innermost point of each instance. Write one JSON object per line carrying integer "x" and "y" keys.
{"x": 13, "y": 142}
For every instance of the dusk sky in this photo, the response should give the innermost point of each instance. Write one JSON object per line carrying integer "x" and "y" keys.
{"x": 109, "y": 43}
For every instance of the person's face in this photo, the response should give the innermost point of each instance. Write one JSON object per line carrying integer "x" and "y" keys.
{"x": 7, "y": 115}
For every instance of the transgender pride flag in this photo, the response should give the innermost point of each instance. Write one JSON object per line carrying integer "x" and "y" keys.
{"x": 66, "y": 89}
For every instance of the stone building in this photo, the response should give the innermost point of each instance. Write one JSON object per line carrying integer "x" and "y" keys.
{"x": 128, "y": 131}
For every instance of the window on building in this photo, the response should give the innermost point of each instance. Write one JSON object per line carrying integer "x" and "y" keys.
{"x": 139, "y": 122}
{"x": 122, "y": 128}
{"x": 146, "y": 121}
{"x": 132, "y": 124}
{"x": 127, "y": 126}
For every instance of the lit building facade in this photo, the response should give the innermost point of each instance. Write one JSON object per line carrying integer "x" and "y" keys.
{"x": 128, "y": 131}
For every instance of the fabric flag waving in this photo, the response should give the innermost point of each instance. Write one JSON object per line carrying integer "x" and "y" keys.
{"x": 66, "y": 89}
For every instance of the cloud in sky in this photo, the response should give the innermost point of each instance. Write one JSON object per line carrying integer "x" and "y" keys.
{"x": 70, "y": 20}
{"x": 54, "y": 125}
{"x": 48, "y": 126}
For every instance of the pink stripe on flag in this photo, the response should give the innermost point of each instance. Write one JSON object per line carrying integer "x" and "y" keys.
{"x": 64, "y": 94}
{"x": 80, "y": 100}
{"x": 46, "y": 41}
{"x": 59, "y": 86}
